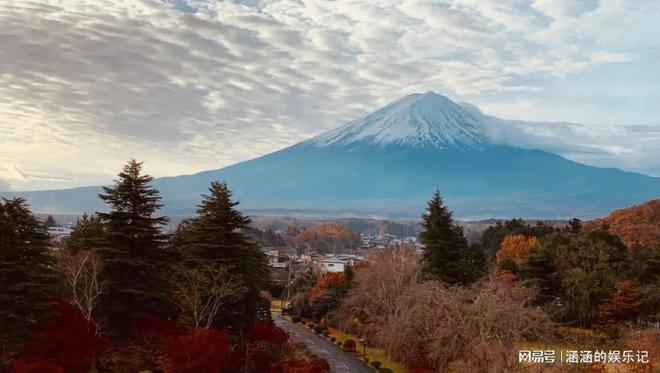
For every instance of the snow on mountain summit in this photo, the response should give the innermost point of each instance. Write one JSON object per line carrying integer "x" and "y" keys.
{"x": 427, "y": 119}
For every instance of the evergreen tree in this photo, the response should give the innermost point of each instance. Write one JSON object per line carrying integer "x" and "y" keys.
{"x": 645, "y": 264}
{"x": 50, "y": 222}
{"x": 217, "y": 237}
{"x": 574, "y": 225}
{"x": 493, "y": 236}
{"x": 136, "y": 261}
{"x": 26, "y": 275}
{"x": 539, "y": 270}
{"x": 446, "y": 253}
{"x": 87, "y": 234}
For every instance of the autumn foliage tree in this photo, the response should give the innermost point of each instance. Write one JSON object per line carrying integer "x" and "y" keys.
{"x": 514, "y": 250}
{"x": 68, "y": 340}
{"x": 637, "y": 224}
{"x": 329, "y": 237}
{"x": 265, "y": 343}
{"x": 620, "y": 307}
{"x": 326, "y": 296}
{"x": 329, "y": 281}
{"x": 200, "y": 350}
{"x": 35, "y": 364}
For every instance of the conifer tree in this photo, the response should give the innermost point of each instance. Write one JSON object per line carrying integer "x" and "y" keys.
{"x": 26, "y": 275}
{"x": 540, "y": 271}
{"x": 217, "y": 237}
{"x": 136, "y": 261}
{"x": 446, "y": 254}
{"x": 88, "y": 234}
{"x": 50, "y": 222}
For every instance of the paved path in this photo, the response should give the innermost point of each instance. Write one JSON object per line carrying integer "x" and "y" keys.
{"x": 340, "y": 361}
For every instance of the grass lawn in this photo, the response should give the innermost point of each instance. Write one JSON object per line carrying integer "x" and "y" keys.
{"x": 276, "y": 305}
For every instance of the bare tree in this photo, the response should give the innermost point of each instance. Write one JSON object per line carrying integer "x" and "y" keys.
{"x": 201, "y": 292}
{"x": 377, "y": 287}
{"x": 81, "y": 272}
{"x": 458, "y": 328}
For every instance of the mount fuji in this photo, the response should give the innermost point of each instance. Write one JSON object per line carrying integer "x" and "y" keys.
{"x": 388, "y": 163}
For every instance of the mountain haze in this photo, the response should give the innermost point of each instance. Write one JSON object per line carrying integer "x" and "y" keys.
{"x": 389, "y": 162}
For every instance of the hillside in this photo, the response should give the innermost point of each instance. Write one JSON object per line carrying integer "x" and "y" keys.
{"x": 635, "y": 224}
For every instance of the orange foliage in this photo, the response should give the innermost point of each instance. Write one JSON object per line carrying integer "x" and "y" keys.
{"x": 516, "y": 248}
{"x": 506, "y": 276}
{"x": 326, "y": 282}
{"x": 619, "y": 307}
{"x": 328, "y": 237}
{"x": 636, "y": 224}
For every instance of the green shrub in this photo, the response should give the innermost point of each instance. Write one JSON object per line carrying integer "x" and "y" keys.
{"x": 376, "y": 364}
{"x": 349, "y": 345}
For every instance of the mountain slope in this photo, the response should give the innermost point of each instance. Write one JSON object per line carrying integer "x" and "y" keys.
{"x": 635, "y": 224}
{"x": 415, "y": 120}
{"x": 389, "y": 163}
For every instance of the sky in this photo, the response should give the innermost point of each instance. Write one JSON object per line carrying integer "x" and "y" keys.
{"x": 192, "y": 85}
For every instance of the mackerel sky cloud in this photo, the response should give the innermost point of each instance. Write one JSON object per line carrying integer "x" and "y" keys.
{"x": 190, "y": 85}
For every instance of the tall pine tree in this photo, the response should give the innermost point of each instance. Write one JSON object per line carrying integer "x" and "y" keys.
{"x": 136, "y": 260}
{"x": 446, "y": 254}
{"x": 88, "y": 234}
{"x": 217, "y": 237}
{"x": 26, "y": 275}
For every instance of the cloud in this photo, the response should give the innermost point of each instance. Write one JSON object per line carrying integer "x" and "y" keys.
{"x": 629, "y": 147}
{"x": 189, "y": 85}
{"x": 4, "y": 185}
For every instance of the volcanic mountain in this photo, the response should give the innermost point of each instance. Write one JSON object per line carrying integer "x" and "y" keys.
{"x": 389, "y": 162}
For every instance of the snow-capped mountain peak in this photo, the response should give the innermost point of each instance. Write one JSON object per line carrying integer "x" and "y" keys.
{"x": 427, "y": 119}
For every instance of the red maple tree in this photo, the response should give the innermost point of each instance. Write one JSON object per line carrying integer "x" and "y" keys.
{"x": 67, "y": 340}
{"x": 200, "y": 351}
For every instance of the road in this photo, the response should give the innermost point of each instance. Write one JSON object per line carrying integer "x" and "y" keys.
{"x": 340, "y": 361}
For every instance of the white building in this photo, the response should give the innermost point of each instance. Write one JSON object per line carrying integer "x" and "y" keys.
{"x": 59, "y": 232}
{"x": 277, "y": 258}
{"x": 337, "y": 262}
{"x": 331, "y": 265}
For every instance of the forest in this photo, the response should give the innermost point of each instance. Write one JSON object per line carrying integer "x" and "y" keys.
{"x": 456, "y": 307}
{"x": 123, "y": 296}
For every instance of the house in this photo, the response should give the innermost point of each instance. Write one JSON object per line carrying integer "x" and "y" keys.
{"x": 277, "y": 258}
{"x": 337, "y": 262}
{"x": 332, "y": 265}
{"x": 58, "y": 237}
